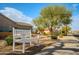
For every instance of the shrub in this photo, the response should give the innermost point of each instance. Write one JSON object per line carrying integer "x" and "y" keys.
{"x": 45, "y": 33}
{"x": 54, "y": 37}
{"x": 55, "y": 34}
{"x": 9, "y": 39}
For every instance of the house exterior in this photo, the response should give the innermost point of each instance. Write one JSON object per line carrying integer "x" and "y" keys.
{"x": 6, "y": 25}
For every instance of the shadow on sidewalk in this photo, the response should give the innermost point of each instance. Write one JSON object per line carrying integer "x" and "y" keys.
{"x": 29, "y": 51}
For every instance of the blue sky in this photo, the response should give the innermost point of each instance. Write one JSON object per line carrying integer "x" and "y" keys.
{"x": 32, "y": 10}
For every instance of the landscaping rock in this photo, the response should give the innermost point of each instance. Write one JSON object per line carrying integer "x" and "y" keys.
{"x": 3, "y": 43}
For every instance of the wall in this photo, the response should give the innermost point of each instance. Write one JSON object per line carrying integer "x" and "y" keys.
{"x": 4, "y": 34}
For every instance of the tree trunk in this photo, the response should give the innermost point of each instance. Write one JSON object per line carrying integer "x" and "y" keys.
{"x": 53, "y": 36}
{"x": 66, "y": 30}
{"x": 51, "y": 30}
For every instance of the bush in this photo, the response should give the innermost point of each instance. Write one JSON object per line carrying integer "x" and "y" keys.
{"x": 54, "y": 37}
{"x": 9, "y": 39}
{"x": 45, "y": 33}
{"x": 55, "y": 34}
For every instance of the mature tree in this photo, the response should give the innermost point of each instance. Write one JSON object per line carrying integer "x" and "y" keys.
{"x": 53, "y": 17}
{"x": 56, "y": 15}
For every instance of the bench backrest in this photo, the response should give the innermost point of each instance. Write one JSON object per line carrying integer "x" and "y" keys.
{"x": 21, "y": 34}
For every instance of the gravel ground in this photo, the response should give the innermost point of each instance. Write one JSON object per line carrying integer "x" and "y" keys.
{"x": 46, "y": 47}
{"x": 30, "y": 50}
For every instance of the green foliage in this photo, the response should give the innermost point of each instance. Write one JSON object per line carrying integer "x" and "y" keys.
{"x": 9, "y": 39}
{"x": 65, "y": 30}
{"x": 55, "y": 34}
{"x": 53, "y": 16}
{"x": 54, "y": 37}
{"x": 40, "y": 23}
{"x": 45, "y": 33}
{"x": 66, "y": 21}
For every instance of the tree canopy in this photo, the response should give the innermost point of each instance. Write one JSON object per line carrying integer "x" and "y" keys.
{"x": 53, "y": 17}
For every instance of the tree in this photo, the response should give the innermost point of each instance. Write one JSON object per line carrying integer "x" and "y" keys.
{"x": 54, "y": 17}
{"x": 39, "y": 23}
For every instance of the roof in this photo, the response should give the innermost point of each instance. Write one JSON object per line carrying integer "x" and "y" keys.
{"x": 22, "y": 23}
{"x": 12, "y": 23}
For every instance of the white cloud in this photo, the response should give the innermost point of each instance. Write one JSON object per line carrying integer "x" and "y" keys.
{"x": 15, "y": 15}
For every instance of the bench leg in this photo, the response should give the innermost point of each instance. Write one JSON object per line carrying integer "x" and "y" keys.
{"x": 13, "y": 46}
{"x": 23, "y": 48}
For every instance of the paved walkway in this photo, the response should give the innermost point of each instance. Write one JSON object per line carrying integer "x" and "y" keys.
{"x": 66, "y": 49}
{"x": 69, "y": 38}
{"x": 51, "y": 50}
